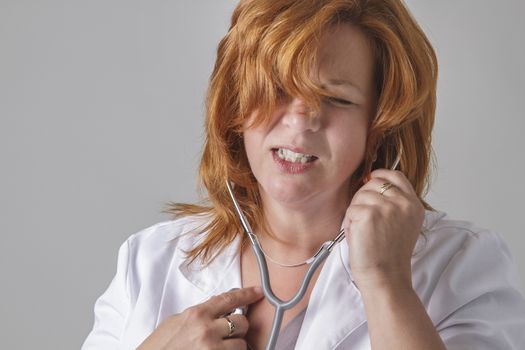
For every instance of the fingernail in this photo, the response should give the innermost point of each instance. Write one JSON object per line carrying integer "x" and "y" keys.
{"x": 258, "y": 289}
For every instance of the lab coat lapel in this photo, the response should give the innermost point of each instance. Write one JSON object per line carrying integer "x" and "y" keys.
{"x": 335, "y": 308}
{"x": 222, "y": 272}
{"x": 194, "y": 283}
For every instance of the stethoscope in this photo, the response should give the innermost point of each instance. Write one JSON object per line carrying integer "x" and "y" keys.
{"x": 281, "y": 305}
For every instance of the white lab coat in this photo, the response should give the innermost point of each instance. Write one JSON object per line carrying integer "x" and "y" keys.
{"x": 463, "y": 275}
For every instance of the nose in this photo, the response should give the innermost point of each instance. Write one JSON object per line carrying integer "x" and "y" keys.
{"x": 300, "y": 117}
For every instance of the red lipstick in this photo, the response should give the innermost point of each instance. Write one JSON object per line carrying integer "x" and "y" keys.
{"x": 291, "y": 167}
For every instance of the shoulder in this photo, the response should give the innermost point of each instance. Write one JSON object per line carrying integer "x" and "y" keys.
{"x": 186, "y": 230}
{"x": 465, "y": 275}
{"x": 453, "y": 240}
{"x": 447, "y": 244}
{"x": 150, "y": 251}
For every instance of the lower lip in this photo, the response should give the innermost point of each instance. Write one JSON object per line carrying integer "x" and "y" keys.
{"x": 292, "y": 168}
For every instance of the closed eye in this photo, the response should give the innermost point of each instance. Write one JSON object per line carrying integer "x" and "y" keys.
{"x": 338, "y": 101}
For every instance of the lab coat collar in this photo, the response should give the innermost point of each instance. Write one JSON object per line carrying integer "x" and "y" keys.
{"x": 204, "y": 281}
{"x": 209, "y": 279}
{"x": 431, "y": 219}
{"x": 191, "y": 283}
{"x": 189, "y": 233}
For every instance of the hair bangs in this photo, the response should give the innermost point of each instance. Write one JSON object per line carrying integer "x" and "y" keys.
{"x": 278, "y": 53}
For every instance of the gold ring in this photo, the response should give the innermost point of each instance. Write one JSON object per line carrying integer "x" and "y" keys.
{"x": 231, "y": 326}
{"x": 385, "y": 187}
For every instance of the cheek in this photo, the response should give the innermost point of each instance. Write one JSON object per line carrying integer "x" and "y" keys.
{"x": 350, "y": 139}
{"x": 254, "y": 137}
{"x": 249, "y": 139}
{"x": 253, "y": 144}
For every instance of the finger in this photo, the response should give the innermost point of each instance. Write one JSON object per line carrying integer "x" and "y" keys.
{"x": 396, "y": 177}
{"x": 354, "y": 214}
{"x": 226, "y": 302}
{"x": 235, "y": 344}
{"x": 377, "y": 185}
{"x": 239, "y": 322}
{"x": 357, "y": 212}
{"x": 367, "y": 197}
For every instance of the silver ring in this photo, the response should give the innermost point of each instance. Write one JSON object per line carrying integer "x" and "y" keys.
{"x": 231, "y": 326}
{"x": 385, "y": 187}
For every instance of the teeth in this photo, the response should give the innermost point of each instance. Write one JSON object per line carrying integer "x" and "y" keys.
{"x": 294, "y": 157}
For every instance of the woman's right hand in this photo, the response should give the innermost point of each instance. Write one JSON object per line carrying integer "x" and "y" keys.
{"x": 203, "y": 326}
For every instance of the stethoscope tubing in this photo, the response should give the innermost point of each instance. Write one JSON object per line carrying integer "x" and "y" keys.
{"x": 281, "y": 305}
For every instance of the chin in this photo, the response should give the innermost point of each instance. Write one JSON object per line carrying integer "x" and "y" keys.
{"x": 287, "y": 192}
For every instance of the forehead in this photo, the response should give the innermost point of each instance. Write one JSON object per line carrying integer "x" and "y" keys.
{"x": 345, "y": 54}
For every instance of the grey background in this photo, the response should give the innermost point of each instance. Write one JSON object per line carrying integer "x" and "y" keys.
{"x": 101, "y": 123}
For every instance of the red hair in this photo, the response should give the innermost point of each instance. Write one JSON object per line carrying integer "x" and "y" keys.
{"x": 269, "y": 51}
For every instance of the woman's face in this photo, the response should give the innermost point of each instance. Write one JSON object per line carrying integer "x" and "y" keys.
{"x": 296, "y": 158}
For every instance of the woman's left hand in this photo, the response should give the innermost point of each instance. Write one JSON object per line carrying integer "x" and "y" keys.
{"x": 382, "y": 230}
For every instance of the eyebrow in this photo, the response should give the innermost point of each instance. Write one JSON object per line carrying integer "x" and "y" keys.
{"x": 341, "y": 82}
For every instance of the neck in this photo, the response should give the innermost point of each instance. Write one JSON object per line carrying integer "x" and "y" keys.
{"x": 300, "y": 230}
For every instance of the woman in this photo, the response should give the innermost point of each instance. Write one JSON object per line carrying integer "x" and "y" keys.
{"x": 309, "y": 105}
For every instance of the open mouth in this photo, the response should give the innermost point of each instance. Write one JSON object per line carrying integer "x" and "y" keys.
{"x": 293, "y": 157}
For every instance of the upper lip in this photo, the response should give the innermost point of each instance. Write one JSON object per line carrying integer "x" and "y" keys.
{"x": 295, "y": 149}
